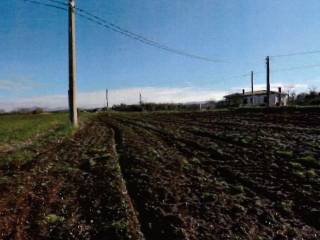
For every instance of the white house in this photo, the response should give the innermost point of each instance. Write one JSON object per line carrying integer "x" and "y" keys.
{"x": 257, "y": 98}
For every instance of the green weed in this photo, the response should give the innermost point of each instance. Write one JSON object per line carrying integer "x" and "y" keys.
{"x": 286, "y": 205}
{"x": 309, "y": 161}
{"x": 238, "y": 189}
{"x": 311, "y": 173}
{"x": 285, "y": 154}
{"x": 298, "y": 174}
{"x": 4, "y": 180}
{"x": 296, "y": 165}
{"x": 53, "y": 218}
{"x": 120, "y": 226}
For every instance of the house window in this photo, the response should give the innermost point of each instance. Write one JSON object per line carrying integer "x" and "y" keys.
{"x": 265, "y": 99}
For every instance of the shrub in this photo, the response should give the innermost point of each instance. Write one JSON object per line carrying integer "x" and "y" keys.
{"x": 37, "y": 111}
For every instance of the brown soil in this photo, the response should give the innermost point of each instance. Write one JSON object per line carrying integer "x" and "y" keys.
{"x": 71, "y": 190}
{"x": 212, "y": 175}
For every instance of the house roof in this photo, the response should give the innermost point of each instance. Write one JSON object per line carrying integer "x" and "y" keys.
{"x": 260, "y": 92}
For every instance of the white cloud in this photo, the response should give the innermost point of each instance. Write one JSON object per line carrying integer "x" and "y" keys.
{"x": 297, "y": 87}
{"x": 17, "y": 84}
{"x": 117, "y": 96}
{"x": 9, "y": 85}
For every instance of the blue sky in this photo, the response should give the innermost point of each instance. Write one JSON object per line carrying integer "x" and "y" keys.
{"x": 33, "y": 46}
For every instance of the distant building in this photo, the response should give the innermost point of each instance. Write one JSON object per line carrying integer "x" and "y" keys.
{"x": 259, "y": 98}
{"x": 208, "y": 105}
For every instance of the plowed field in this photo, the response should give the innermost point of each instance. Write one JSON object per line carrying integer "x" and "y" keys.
{"x": 211, "y": 175}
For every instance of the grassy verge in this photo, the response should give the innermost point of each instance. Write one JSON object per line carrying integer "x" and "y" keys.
{"x": 22, "y": 135}
{"x": 22, "y": 127}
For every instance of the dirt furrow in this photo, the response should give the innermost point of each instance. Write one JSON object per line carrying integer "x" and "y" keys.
{"x": 179, "y": 176}
{"x": 75, "y": 191}
{"x": 300, "y": 208}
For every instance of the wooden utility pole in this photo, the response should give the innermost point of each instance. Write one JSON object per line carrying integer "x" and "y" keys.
{"x": 279, "y": 96}
{"x": 107, "y": 98}
{"x": 140, "y": 98}
{"x": 73, "y": 109}
{"x": 268, "y": 80}
{"x": 252, "y": 99}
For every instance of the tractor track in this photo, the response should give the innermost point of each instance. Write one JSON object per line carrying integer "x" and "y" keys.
{"x": 143, "y": 214}
{"x": 73, "y": 190}
{"x": 119, "y": 152}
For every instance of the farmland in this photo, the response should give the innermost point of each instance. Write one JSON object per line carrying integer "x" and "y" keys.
{"x": 250, "y": 174}
{"x": 21, "y": 129}
{"x": 22, "y": 135}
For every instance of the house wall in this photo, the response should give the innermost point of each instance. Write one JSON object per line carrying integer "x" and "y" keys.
{"x": 260, "y": 100}
{"x": 234, "y": 100}
{"x": 285, "y": 100}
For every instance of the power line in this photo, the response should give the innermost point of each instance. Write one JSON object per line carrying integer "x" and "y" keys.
{"x": 153, "y": 43}
{"x": 296, "y": 54}
{"x": 59, "y": 2}
{"x": 46, "y": 4}
{"x": 273, "y": 71}
{"x": 236, "y": 76}
{"x": 296, "y": 68}
{"x": 104, "y": 23}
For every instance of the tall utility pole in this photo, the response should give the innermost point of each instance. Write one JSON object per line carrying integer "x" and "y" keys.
{"x": 73, "y": 110}
{"x": 268, "y": 80}
{"x": 252, "y": 101}
{"x": 140, "y": 98}
{"x": 107, "y": 98}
